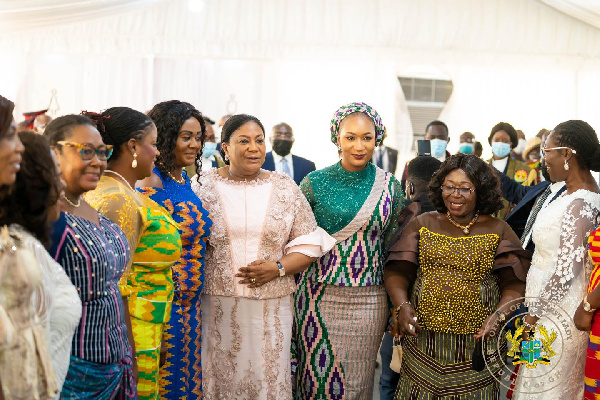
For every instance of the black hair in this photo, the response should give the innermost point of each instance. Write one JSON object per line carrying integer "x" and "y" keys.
{"x": 208, "y": 120}
{"x": 233, "y": 124}
{"x": 508, "y": 128}
{"x": 439, "y": 123}
{"x": 36, "y": 190}
{"x": 169, "y": 117}
{"x": 479, "y": 172}
{"x": 118, "y": 125}
{"x": 422, "y": 168}
{"x": 61, "y": 128}
{"x": 477, "y": 146}
{"x": 581, "y": 137}
{"x": 6, "y": 115}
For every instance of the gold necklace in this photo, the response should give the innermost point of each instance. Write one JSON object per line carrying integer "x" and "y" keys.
{"x": 120, "y": 176}
{"x": 231, "y": 174}
{"x": 465, "y": 229}
{"x": 65, "y": 198}
{"x": 181, "y": 182}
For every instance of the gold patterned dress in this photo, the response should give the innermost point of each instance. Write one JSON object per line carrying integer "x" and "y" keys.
{"x": 154, "y": 238}
{"x": 456, "y": 289}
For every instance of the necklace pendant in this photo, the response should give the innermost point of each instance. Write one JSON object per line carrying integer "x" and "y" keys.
{"x": 466, "y": 231}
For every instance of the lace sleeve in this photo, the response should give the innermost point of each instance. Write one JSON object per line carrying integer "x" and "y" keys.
{"x": 306, "y": 189}
{"x": 304, "y": 219}
{"x": 397, "y": 207}
{"x": 577, "y": 223}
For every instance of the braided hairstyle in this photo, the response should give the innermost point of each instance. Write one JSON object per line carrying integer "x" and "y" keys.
{"x": 118, "y": 125}
{"x": 169, "y": 117}
{"x": 581, "y": 137}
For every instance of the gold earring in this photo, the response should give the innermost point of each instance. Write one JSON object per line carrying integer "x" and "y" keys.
{"x": 134, "y": 162}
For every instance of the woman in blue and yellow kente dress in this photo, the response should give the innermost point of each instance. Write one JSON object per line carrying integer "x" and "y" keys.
{"x": 181, "y": 132}
{"x": 452, "y": 275}
{"x": 153, "y": 236}
{"x": 341, "y": 303}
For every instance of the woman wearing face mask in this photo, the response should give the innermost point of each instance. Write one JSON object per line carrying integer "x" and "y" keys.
{"x": 94, "y": 252}
{"x": 503, "y": 139}
{"x": 181, "y": 131}
{"x": 153, "y": 236}
{"x": 341, "y": 303}
{"x": 25, "y": 365}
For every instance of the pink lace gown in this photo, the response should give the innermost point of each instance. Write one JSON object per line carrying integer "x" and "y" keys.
{"x": 246, "y": 346}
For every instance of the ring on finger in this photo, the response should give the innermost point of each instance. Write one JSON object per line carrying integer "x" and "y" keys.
{"x": 253, "y": 280}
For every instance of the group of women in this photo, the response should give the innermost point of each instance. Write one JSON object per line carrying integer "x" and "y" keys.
{"x": 127, "y": 278}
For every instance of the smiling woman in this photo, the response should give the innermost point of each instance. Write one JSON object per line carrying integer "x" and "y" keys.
{"x": 463, "y": 266}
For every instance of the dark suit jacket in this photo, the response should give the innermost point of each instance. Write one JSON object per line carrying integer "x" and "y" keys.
{"x": 525, "y": 197}
{"x": 392, "y": 155}
{"x": 302, "y": 166}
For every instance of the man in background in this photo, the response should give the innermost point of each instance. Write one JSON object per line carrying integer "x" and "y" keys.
{"x": 281, "y": 158}
{"x": 210, "y": 155}
{"x": 466, "y": 143}
{"x": 385, "y": 157}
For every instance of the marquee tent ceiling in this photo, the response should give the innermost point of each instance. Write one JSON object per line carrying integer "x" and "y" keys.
{"x": 587, "y": 11}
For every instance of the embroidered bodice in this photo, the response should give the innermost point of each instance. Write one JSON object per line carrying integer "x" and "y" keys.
{"x": 257, "y": 220}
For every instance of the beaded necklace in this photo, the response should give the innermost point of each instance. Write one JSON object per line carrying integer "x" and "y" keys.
{"x": 465, "y": 229}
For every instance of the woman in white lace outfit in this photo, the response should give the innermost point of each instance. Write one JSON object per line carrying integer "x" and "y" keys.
{"x": 34, "y": 204}
{"x": 263, "y": 233}
{"x": 560, "y": 268}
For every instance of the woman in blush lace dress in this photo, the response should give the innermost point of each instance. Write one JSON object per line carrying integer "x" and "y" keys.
{"x": 560, "y": 268}
{"x": 263, "y": 233}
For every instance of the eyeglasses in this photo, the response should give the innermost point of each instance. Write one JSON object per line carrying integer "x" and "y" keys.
{"x": 88, "y": 150}
{"x": 463, "y": 191}
{"x": 547, "y": 149}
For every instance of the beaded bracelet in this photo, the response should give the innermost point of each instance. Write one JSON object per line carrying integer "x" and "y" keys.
{"x": 401, "y": 305}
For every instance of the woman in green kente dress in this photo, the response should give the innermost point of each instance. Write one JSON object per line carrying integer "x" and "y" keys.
{"x": 341, "y": 303}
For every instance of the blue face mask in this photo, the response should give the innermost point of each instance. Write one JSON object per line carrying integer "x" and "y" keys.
{"x": 466, "y": 148}
{"x": 208, "y": 149}
{"x": 500, "y": 149}
{"x": 438, "y": 147}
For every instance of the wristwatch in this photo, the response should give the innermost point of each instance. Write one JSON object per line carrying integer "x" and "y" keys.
{"x": 501, "y": 316}
{"x": 586, "y": 306}
{"x": 281, "y": 269}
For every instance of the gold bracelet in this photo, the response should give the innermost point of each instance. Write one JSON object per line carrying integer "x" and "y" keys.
{"x": 401, "y": 305}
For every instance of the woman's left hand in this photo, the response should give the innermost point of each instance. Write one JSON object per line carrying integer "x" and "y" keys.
{"x": 258, "y": 272}
{"x": 583, "y": 319}
{"x": 490, "y": 325}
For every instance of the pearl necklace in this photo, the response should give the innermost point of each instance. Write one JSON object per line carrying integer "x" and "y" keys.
{"x": 232, "y": 175}
{"x": 465, "y": 229}
{"x": 120, "y": 176}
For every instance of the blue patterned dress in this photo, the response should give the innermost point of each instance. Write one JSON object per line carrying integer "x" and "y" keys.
{"x": 181, "y": 375}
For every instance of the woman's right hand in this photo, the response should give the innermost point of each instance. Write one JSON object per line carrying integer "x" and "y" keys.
{"x": 406, "y": 321}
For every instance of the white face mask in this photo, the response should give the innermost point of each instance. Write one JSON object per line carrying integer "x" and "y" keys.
{"x": 520, "y": 147}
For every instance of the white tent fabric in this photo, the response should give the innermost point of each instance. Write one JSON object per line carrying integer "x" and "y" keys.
{"x": 519, "y": 61}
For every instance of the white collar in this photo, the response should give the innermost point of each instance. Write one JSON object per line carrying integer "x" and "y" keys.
{"x": 277, "y": 158}
{"x": 556, "y": 186}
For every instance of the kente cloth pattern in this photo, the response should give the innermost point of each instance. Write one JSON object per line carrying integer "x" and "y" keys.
{"x": 149, "y": 281}
{"x": 337, "y": 196}
{"x": 181, "y": 376}
{"x": 355, "y": 263}
{"x": 350, "y": 108}
{"x": 89, "y": 380}
{"x": 592, "y": 362}
{"x": 437, "y": 365}
{"x": 94, "y": 258}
